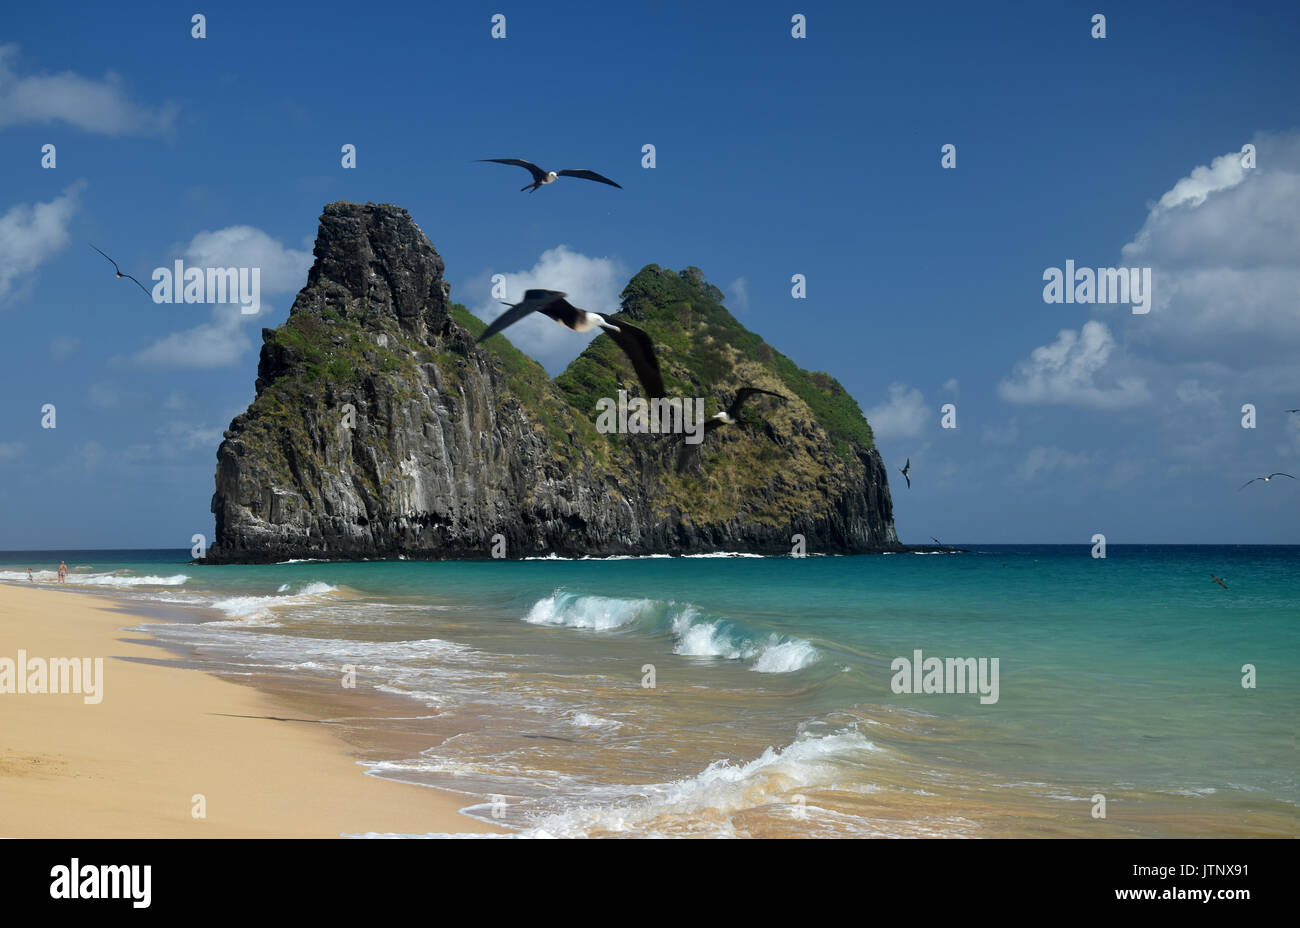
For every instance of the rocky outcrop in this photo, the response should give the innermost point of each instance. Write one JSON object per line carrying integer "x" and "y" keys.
{"x": 381, "y": 430}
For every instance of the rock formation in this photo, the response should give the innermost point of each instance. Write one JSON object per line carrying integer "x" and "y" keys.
{"x": 381, "y": 430}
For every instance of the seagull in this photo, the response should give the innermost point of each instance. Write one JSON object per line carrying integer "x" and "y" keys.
{"x": 127, "y": 276}
{"x": 728, "y": 416}
{"x": 636, "y": 344}
{"x": 1219, "y": 581}
{"x": 904, "y": 469}
{"x": 541, "y": 177}
{"x": 1265, "y": 479}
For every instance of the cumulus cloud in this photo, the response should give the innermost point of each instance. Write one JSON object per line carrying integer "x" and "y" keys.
{"x": 93, "y": 105}
{"x": 1224, "y": 248}
{"x": 1072, "y": 371}
{"x": 592, "y": 283}
{"x": 30, "y": 234}
{"x": 224, "y": 339}
{"x": 903, "y": 415}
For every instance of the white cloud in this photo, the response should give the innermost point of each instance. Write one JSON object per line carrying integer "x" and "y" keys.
{"x": 93, "y": 105}
{"x": 1193, "y": 394}
{"x": 1223, "y": 172}
{"x": 1043, "y": 460}
{"x": 223, "y": 340}
{"x": 11, "y": 449}
{"x": 1224, "y": 248}
{"x": 1067, "y": 372}
{"x": 30, "y": 234}
{"x": 737, "y": 294}
{"x": 283, "y": 269}
{"x": 903, "y": 415}
{"x": 951, "y": 386}
{"x": 177, "y": 438}
{"x": 591, "y": 283}
{"x": 175, "y": 400}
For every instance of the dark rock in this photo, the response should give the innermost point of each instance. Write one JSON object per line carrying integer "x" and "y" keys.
{"x": 381, "y": 429}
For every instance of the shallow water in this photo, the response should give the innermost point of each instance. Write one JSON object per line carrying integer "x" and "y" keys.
{"x": 771, "y": 710}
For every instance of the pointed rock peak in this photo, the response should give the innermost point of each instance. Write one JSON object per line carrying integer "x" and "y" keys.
{"x": 375, "y": 265}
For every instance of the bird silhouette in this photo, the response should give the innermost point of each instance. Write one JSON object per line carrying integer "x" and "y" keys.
{"x": 636, "y": 344}
{"x": 1265, "y": 479}
{"x": 127, "y": 276}
{"x": 541, "y": 177}
{"x": 904, "y": 469}
{"x": 728, "y": 416}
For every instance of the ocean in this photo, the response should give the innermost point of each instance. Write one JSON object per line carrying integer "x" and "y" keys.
{"x": 748, "y": 696}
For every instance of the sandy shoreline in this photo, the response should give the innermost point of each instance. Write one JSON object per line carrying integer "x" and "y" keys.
{"x": 131, "y": 764}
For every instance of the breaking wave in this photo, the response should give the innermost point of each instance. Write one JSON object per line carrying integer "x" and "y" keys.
{"x": 694, "y": 634}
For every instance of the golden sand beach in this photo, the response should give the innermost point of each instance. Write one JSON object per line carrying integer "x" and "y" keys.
{"x": 133, "y": 763}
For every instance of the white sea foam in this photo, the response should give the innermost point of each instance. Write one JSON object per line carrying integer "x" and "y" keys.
{"x": 724, "y": 554}
{"x": 103, "y": 579}
{"x": 587, "y": 720}
{"x": 595, "y": 612}
{"x": 786, "y": 656}
{"x": 259, "y": 610}
{"x": 698, "y": 637}
{"x": 815, "y": 762}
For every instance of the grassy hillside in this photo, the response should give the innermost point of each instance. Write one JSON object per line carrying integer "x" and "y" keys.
{"x": 705, "y": 351}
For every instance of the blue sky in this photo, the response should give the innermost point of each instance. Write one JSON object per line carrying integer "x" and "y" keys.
{"x": 775, "y": 156}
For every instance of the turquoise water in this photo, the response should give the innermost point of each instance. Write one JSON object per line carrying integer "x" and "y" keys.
{"x": 772, "y": 710}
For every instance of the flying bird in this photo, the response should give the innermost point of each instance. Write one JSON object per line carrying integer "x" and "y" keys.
{"x": 127, "y": 276}
{"x": 1219, "y": 581}
{"x": 904, "y": 469}
{"x": 636, "y": 344}
{"x": 1265, "y": 479}
{"x": 728, "y": 416}
{"x": 731, "y": 415}
{"x": 1293, "y": 410}
{"x": 541, "y": 177}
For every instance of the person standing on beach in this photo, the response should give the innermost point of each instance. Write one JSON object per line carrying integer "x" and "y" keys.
{"x": 63, "y": 572}
{"x": 30, "y": 578}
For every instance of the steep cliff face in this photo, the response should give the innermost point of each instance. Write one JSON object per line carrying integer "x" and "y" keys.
{"x": 381, "y": 430}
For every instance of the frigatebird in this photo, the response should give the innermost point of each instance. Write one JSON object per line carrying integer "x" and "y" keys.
{"x": 636, "y": 344}
{"x": 904, "y": 469}
{"x": 1265, "y": 479}
{"x": 728, "y": 416}
{"x": 541, "y": 177}
{"x": 120, "y": 274}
